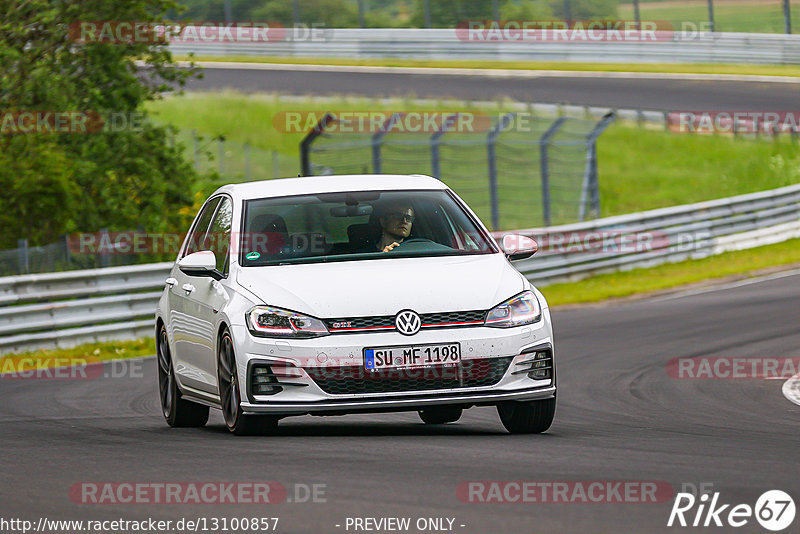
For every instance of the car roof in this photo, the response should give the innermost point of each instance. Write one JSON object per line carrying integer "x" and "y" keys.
{"x": 330, "y": 184}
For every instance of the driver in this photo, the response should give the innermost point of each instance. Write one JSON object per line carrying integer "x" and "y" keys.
{"x": 396, "y": 220}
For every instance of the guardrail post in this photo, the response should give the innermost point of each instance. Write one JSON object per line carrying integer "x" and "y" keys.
{"x": 545, "y": 166}
{"x": 22, "y": 256}
{"x": 436, "y": 140}
{"x": 591, "y": 187}
{"x": 491, "y": 156}
{"x": 308, "y": 140}
{"x": 377, "y": 142}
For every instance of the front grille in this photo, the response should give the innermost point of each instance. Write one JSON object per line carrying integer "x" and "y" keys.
{"x": 386, "y": 322}
{"x": 351, "y": 380}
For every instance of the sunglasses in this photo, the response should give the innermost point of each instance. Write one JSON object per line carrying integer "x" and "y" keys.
{"x": 404, "y": 216}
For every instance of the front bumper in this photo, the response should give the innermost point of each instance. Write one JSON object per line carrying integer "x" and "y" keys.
{"x": 305, "y": 396}
{"x": 397, "y": 403}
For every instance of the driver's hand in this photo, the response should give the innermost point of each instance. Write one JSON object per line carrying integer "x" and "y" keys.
{"x": 387, "y": 248}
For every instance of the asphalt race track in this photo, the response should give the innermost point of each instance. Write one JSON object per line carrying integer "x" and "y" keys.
{"x": 659, "y": 94}
{"x": 620, "y": 417}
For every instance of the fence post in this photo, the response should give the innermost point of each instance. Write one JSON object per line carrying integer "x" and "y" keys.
{"x": 787, "y": 17}
{"x": 308, "y": 140}
{"x": 636, "y": 15}
{"x": 296, "y": 12}
{"x": 377, "y": 142}
{"x": 496, "y": 9}
{"x": 22, "y": 256}
{"x": 545, "y": 167}
{"x": 591, "y": 186}
{"x": 711, "y": 15}
{"x": 221, "y": 145}
{"x": 246, "y": 162}
{"x": 360, "y": 13}
{"x": 104, "y": 255}
{"x": 435, "y": 143}
{"x": 426, "y": 6}
{"x": 491, "y": 156}
{"x": 196, "y": 151}
{"x": 65, "y": 242}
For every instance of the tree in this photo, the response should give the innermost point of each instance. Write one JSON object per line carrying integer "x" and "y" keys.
{"x": 59, "y": 182}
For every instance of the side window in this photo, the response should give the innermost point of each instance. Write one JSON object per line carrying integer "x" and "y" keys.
{"x": 219, "y": 235}
{"x": 197, "y": 236}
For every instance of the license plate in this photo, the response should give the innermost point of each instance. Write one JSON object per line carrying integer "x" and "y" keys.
{"x": 412, "y": 356}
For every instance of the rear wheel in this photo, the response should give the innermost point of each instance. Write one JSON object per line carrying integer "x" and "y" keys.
{"x": 230, "y": 399}
{"x": 531, "y": 417}
{"x": 177, "y": 411}
{"x": 439, "y": 415}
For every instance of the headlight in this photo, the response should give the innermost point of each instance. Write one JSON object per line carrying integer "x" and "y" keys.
{"x": 266, "y": 321}
{"x": 517, "y": 311}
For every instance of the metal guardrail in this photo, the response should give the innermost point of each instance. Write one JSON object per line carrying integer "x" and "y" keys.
{"x": 68, "y": 308}
{"x": 451, "y": 44}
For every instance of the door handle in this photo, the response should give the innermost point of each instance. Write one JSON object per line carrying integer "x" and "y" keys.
{"x": 170, "y": 282}
{"x": 188, "y": 288}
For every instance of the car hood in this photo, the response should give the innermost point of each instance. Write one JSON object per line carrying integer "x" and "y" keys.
{"x": 385, "y": 286}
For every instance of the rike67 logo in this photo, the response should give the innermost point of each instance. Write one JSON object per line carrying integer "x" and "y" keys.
{"x": 774, "y": 510}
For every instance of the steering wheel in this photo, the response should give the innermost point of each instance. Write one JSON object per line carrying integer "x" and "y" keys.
{"x": 415, "y": 240}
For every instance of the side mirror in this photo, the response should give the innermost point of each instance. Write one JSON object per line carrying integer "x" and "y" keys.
{"x": 202, "y": 263}
{"x": 519, "y": 247}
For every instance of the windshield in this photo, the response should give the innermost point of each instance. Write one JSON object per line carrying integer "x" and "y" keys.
{"x": 356, "y": 226}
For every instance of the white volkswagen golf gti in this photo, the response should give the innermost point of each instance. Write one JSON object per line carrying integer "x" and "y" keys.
{"x": 350, "y": 294}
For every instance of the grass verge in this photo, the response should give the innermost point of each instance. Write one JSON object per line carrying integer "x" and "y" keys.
{"x": 640, "y": 282}
{"x": 690, "y": 68}
{"x": 81, "y": 354}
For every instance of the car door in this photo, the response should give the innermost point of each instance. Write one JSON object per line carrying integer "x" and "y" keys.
{"x": 209, "y": 297}
{"x": 186, "y": 328}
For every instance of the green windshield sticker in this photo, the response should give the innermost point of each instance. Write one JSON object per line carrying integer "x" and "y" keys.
{"x": 253, "y": 255}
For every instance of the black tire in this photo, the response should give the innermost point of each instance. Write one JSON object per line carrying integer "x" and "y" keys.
{"x": 177, "y": 411}
{"x": 531, "y": 417}
{"x": 229, "y": 396}
{"x": 439, "y": 415}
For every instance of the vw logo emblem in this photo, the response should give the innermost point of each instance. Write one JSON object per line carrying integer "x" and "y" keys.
{"x": 408, "y": 322}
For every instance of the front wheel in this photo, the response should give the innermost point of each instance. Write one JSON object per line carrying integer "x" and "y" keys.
{"x": 230, "y": 399}
{"x": 530, "y": 417}
{"x": 177, "y": 411}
